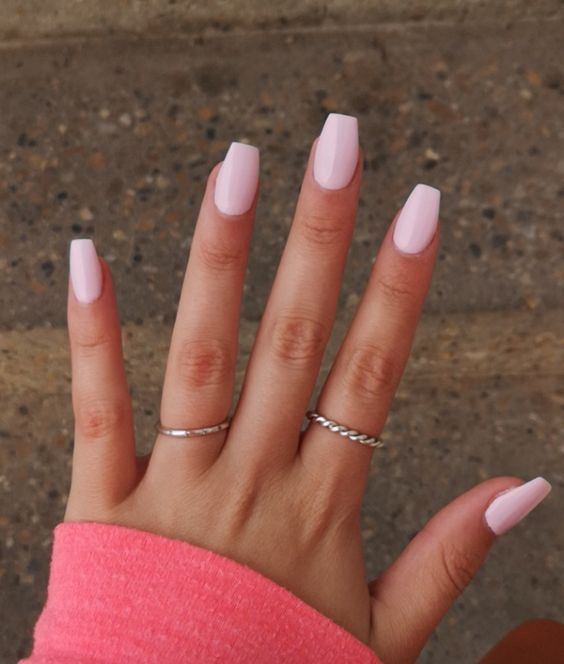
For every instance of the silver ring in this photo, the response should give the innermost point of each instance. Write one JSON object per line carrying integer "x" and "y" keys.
{"x": 342, "y": 430}
{"x": 189, "y": 433}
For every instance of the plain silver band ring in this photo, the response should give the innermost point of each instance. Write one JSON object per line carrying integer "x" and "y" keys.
{"x": 190, "y": 433}
{"x": 342, "y": 430}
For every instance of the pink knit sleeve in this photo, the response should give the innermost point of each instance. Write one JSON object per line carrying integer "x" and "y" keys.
{"x": 122, "y": 595}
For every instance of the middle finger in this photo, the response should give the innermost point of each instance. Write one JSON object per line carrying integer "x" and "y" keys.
{"x": 297, "y": 321}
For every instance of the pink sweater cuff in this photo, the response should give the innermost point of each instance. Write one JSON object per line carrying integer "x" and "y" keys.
{"x": 122, "y": 595}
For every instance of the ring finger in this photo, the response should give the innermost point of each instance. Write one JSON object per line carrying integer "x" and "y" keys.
{"x": 199, "y": 380}
{"x": 370, "y": 363}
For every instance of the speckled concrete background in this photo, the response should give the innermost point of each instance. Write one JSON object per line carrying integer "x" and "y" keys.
{"x": 32, "y": 19}
{"x": 112, "y": 138}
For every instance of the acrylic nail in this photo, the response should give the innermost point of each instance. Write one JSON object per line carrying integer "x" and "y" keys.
{"x": 336, "y": 152}
{"x": 237, "y": 180}
{"x": 512, "y": 506}
{"x": 85, "y": 271}
{"x": 418, "y": 219}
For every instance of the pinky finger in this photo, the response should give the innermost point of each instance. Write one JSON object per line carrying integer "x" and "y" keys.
{"x": 104, "y": 466}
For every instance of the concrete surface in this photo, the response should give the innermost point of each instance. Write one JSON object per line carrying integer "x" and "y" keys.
{"x": 113, "y": 139}
{"x": 31, "y": 19}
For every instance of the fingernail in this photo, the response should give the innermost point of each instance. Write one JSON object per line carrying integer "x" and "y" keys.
{"x": 417, "y": 222}
{"x": 85, "y": 271}
{"x": 237, "y": 180}
{"x": 512, "y": 506}
{"x": 336, "y": 153}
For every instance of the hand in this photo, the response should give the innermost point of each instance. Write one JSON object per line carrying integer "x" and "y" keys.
{"x": 282, "y": 501}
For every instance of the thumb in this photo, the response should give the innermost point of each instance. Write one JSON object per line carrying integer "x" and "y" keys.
{"x": 414, "y": 593}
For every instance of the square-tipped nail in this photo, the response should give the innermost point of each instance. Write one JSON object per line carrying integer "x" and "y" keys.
{"x": 336, "y": 152}
{"x": 418, "y": 219}
{"x": 237, "y": 180}
{"x": 512, "y": 506}
{"x": 85, "y": 271}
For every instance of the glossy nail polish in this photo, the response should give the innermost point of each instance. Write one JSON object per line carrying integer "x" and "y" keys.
{"x": 85, "y": 271}
{"x": 237, "y": 180}
{"x": 512, "y": 506}
{"x": 336, "y": 152}
{"x": 418, "y": 219}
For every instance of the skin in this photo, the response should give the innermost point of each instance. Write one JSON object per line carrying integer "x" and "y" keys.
{"x": 263, "y": 493}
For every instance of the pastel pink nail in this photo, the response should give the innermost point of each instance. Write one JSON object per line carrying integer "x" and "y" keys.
{"x": 336, "y": 152}
{"x": 237, "y": 180}
{"x": 418, "y": 219}
{"x": 512, "y": 506}
{"x": 85, "y": 271}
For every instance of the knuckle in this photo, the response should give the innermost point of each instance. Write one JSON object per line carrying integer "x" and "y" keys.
{"x": 204, "y": 363}
{"x": 221, "y": 257}
{"x": 371, "y": 373}
{"x": 326, "y": 230}
{"x": 89, "y": 336}
{"x": 99, "y": 418}
{"x": 396, "y": 292}
{"x": 298, "y": 339}
{"x": 458, "y": 567}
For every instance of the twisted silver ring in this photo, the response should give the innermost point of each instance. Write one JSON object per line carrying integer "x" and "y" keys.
{"x": 342, "y": 430}
{"x": 189, "y": 433}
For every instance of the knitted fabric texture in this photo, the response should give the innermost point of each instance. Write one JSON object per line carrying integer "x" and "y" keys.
{"x": 122, "y": 595}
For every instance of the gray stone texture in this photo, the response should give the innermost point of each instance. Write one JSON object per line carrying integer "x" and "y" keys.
{"x": 112, "y": 137}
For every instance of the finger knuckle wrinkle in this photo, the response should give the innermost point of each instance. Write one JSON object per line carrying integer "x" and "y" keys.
{"x": 458, "y": 566}
{"x": 204, "y": 363}
{"x": 370, "y": 373}
{"x": 324, "y": 230}
{"x": 221, "y": 257}
{"x": 396, "y": 290}
{"x": 92, "y": 337}
{"x": 297, "y": 339}
{"x": 99, "y": 418}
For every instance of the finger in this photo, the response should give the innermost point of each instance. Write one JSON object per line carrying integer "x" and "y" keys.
{"x": 104, "y": 467}
{"x": 369, "y": 365}
{"x": 412, "y": 595}
{"x": 531, "y": 642}
{"x": 200, "y": 373}
{"x": 301, "y": 308}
